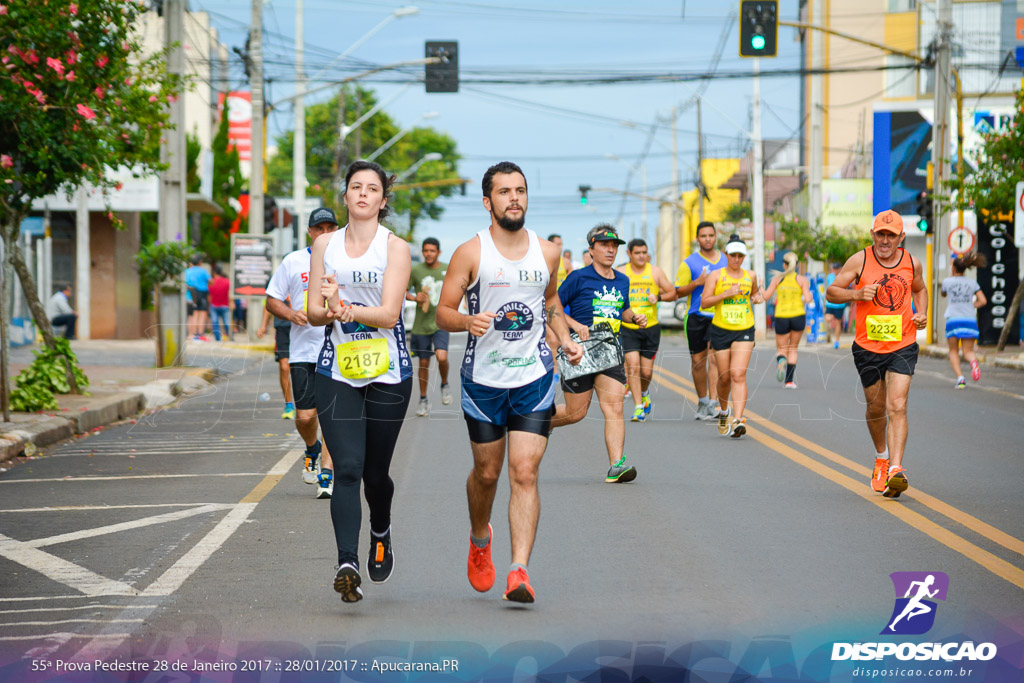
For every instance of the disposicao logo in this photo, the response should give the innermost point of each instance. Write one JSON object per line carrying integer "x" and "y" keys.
{"x": 914, "y": 611}
{"x": 912, "y": 615}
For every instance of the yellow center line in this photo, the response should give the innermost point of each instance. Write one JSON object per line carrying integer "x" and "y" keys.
{"x": 994, "y": 564}
{"x": 275, "y": 475}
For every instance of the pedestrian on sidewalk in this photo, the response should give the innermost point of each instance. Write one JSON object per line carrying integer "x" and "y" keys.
{"x": 197, "y": 279}
{"x": 965, "y": 298}
{"x": 794, "y": 293}
{"x": 364, "y": 371}
{"x": 220, "y": 303}
{"x": 60, "y": 313}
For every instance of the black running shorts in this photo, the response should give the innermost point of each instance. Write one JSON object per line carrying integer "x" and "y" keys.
{"x": 787, "y": 325}
{"x": 282, "y": 342}
{"x": 721, "y": 338}
{"x": 873, "y": 366}
{"x": 583, "y": 384}
{"x": 697, "y": 332}
{"x": 303, "y": 385}
{"x": 646, "y": 340}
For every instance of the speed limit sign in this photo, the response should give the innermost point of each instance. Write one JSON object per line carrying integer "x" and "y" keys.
{"x": 961, "y": 240}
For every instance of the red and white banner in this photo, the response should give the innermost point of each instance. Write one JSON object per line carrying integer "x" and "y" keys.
{"x": 239, "y": 123}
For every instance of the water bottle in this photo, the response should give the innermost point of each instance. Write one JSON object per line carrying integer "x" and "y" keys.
{"x": 264, "y": 396}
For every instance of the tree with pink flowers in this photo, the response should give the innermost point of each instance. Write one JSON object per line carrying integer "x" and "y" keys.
{"x": 77, "y": 97}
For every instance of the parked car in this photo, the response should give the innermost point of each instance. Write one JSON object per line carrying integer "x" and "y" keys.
{"x": 672, "y": 314}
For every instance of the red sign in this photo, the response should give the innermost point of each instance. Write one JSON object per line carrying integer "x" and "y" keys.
{"x": 239, "y": 123}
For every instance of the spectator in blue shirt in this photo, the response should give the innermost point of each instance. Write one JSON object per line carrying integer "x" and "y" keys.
{"x": 197, "y": 279}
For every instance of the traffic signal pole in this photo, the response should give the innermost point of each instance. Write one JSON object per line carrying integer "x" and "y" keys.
{"x": 757, "y": 202}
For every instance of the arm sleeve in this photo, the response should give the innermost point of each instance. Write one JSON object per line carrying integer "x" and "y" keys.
{"x": 625, "y": 291}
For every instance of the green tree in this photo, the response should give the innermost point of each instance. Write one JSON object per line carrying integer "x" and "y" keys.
{"x": 991, "y": 189}
{"x": 737, "y": 212}
{"x": 76, "y": 97}
{"x": 830, "y": 245}
{"x": 324, "y": 157}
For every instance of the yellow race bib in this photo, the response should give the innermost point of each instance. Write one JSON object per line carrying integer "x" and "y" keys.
{"x": 363, "y": 358}
{"x": 734, "y": 314}
{"x": 885, "y": 328}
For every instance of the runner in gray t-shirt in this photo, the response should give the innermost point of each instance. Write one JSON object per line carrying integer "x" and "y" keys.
{"x": 965, "y": 298}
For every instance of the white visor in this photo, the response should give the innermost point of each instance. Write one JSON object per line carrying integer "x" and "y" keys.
{"x": 736, "y": 248}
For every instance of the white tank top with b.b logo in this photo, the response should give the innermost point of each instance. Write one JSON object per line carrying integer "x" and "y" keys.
{"x": 513, "y": 352}
{"x": 355, "y": 353}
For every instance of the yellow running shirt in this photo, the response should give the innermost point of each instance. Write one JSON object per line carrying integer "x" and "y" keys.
{"x": 790, "y": 298}
{"x": 734, "y": 313}
{"x": 641, "y": 286}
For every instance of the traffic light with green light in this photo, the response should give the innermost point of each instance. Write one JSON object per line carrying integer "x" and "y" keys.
{"x": 759, "y": 28}
{"x": 925, "y": 211}
{"x": 584, "y": 189}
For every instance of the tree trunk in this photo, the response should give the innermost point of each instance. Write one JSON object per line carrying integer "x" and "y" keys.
{"x": 1012, "y": 317}
{"x": 4, "y": 339}
{"x": 28, "y": 286}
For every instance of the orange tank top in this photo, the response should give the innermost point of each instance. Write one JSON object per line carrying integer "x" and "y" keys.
{"x": 884, "y": 324}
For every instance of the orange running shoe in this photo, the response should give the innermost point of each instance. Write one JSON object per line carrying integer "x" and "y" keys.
{"x": 879, "y": 475}
{"x": 896, "y": 484}
{"x": 518, "y": 587}
{"x": 479, "y": 567}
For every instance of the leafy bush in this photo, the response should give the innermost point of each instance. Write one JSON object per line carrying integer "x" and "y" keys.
{"x": 47, "y": 375}
{"x": 162, "y": 262}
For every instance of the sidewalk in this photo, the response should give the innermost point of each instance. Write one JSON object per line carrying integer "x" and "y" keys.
{"x": 123, "y": 382}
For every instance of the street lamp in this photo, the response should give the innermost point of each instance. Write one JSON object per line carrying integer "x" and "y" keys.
{"x": 432, "y": 156}
{"x": 398, "y": 136}
{"x": 397, "y": 14}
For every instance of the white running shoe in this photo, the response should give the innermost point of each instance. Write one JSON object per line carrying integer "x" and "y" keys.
{"x": 446, "y": 396}
{"x": 423, "y": 409}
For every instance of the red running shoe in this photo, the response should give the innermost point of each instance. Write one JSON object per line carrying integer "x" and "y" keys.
{"x": 518, "y": 587}
{"x": 479, "y": 567}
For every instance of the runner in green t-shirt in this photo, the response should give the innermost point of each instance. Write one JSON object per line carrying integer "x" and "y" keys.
{"x": 425, "y": 338}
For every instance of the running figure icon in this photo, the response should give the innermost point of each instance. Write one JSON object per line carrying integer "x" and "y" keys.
{"x": 916, "y": 606}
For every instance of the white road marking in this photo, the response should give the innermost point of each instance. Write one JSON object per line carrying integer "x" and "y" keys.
{"x": 133, "y": 476}
{"x": 65, "y": 609}
{"x": 76, "y": 508}
{"x": 72, "y": 621}
{"x": 124, "y": 526}
{"x": 65, "y": 637}
{"x": 62, "y": 571}
{"x": 45, "y": 597}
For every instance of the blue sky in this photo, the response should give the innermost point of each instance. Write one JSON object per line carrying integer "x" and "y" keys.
{"x": 558, "y": 134}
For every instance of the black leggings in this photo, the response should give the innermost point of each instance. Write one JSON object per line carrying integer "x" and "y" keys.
{"x": 360, "y": 426}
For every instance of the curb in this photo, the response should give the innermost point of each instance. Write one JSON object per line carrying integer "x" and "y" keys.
{"x": 1017, "y": 363}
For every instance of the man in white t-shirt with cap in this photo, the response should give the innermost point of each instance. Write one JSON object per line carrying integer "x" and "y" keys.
{"x": 286, "y": 299}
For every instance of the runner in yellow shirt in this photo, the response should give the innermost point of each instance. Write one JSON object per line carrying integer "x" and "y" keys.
{"x": 648, "y": 285}
{"x": 794, "y": 292}
{"x": 731, "y": 291}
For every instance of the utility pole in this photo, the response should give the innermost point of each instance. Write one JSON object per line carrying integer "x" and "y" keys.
{"x": 643, "y": 181}
{"x": 299, "y": 146}
{"x": 255, "y": 314}
{"x": 672, "y": 254}
{"x": 172, "y": 322}
{"x": 940, "y": 159}
{"x": 700, "y": 167}
{"x": 817, "y": 150}
{"x": 83, "y": 262}
{"x": 757, "y": 200}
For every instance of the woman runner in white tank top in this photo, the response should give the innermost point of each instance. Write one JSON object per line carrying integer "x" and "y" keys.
{"x": 364, "y": 373}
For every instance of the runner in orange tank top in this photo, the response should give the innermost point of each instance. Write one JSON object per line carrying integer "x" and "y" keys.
{"x": 887, "y": 281}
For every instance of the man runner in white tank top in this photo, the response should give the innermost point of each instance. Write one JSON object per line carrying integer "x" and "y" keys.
{"x": 508, "y": 276}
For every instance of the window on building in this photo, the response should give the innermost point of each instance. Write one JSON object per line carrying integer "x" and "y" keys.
{"x": 902, "y": 5}
{"x": 899, "y": 82}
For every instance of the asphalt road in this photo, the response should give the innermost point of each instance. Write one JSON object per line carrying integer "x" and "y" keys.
{"x": 189, "y": 534}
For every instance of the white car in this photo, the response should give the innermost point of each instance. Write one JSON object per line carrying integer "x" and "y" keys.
{"x": 672, "y": 313}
